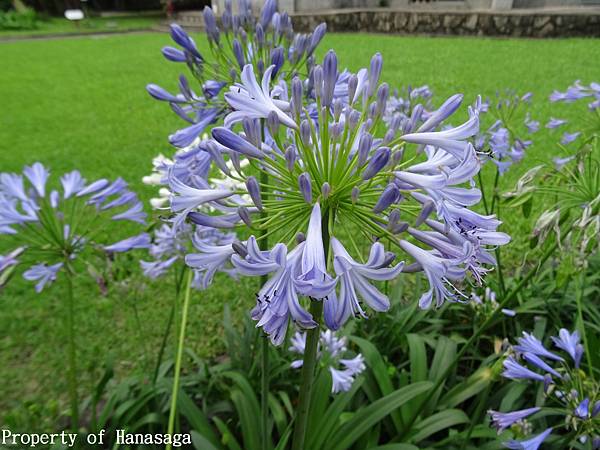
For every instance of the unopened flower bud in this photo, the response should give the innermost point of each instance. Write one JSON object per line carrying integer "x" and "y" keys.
{"x": 390, "y": 195}
{"x": 355, "y": 193}
{"x": 325, "y": 190}
{"x": 329, "y": 77}
{"x": 254, "y": 190}
{"x": 374, "y": 73}
{"x": 305, "y": 186}
{"x": 364, "y": 147}
{"x": 300, "y": 237}
{"x": 273, "y": 123}
{"x": 318, "y": 80}
{"x": 240, "y": 249}
{"x": 352, "y": 85}
{"x": 290, "y": 158}
{"x": 305, "y": 132}
{"x": 376, "y": 163}
{"x": 427, "y": 209}
{"x": 244, "y": 215}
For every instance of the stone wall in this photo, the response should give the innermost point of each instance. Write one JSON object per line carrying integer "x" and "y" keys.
{"x": 483, "y": 23}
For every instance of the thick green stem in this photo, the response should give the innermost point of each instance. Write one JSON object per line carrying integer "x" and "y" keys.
{"x": 310, "y": 358}
{"x": 308, "y": 374}
{"x": 179, "y": 357}
{"x": 72, "y": 373}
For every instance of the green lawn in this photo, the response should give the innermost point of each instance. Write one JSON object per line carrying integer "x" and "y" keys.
{"x": 81, "y": 103}
{"x": 60, "y": 25}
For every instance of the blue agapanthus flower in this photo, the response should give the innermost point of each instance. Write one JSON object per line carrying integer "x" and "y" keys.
{"x": 579, "y": 91}
{"x": 571, "y": 395}
{"x": 52, "y": 226}
{"x": 267, "y": 43}
{"x": 312, "y": 164}
{"x": 505, "y": 141}
{"x": 330, "y": 353}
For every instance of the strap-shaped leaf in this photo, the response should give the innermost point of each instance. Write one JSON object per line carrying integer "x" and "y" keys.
{"x": 365, "y": 418}
{"x": 197, "y": 419}
{"x": 438, "y": 422}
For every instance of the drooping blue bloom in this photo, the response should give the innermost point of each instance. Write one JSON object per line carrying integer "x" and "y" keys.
{"x": 37, "y": 175}
{"x": 140, "y": 241}
{"x": 212, "y": 257}
{"x": 254, "y": 101}
{"x": 502, "y": 421}
{"x": 43, "y": 274}
{"x": 530, "y": 344}
{"x": 439, "y": 271}
{"x": 343, "y": 371}
{"x": 540, "y": 364}
{"x": 72, "y": 183}
{"x": 277, "y": 301}
{"x": 529, "y": 444}
{"x": 313, "y": 280}
{"x": 12, "y": 186}
{"x": 567, "y": 137}
{"x": 354, "y": 282}
{"x": 512, "y": 369}
{"x": 569, "y": 342}
{"x": 559, "y": 163}
{"x": 155, "y": 269}
{"x": 583, "y": 409}
{"x": 10, "y": 259}
{"x": 555, "y": 123}
{"x": 134, "y": 214}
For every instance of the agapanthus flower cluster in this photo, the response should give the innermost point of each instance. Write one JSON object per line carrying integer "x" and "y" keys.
{"x": 571, "y": 395}
{"x": 330, "y": 352}
{"x": 579, "y": 91}
{"x": 170, "y": 245}
{"x": 505, "y": 140}
{"x": 241, "y": 39}
{"x": 52, "y": 226}
{"x": 401, "y": 103}
{"x": 327, "y": 179}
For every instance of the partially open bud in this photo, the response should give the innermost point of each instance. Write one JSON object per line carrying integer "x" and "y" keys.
{"x": 254, "y": 191}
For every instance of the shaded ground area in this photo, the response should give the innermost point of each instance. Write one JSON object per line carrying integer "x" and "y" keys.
{"x": 80, "y": 103}
{"x": 60, "y": 26}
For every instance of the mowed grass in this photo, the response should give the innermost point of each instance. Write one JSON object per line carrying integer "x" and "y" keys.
{"x": 81, "y": 103}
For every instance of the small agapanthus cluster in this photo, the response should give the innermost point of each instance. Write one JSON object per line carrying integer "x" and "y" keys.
{"x": 486, "y": 304}
{"x": 400, "y": 105}
{"x": 567, "y": 390}
{"x": 579, "y": 91}
{"x": 170, "y": 245}
{"x": 52, "y": 227}
{"x": 330, "y": 353}
{"x": 171, "y": 242}
{"x": 242, "y": 39}
{"x": 315, "y": 168}
{"x": 505, "y": 137}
